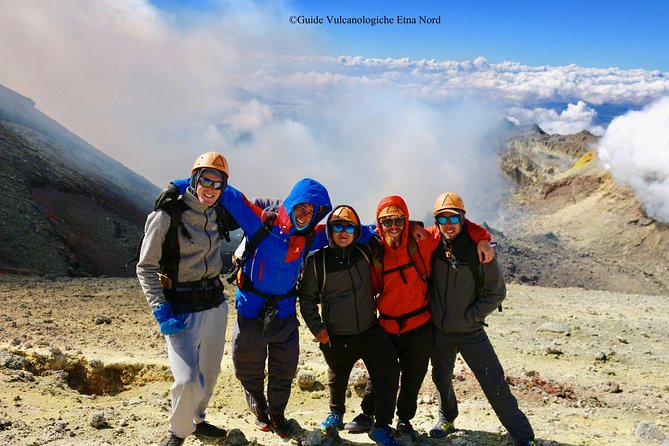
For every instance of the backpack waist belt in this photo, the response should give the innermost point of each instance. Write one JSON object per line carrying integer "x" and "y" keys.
{"x": 193, "y": 300}
{"x": 245, "y": 284}
{"x": 201, "y": 285}
{"x": 401, "y": 320}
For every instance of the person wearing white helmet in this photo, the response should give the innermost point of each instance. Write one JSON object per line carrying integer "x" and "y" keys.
{"x": 178, "y": 269}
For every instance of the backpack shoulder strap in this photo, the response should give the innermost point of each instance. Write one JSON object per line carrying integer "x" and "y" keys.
{"x": 169, "y": 261}
{"x": 252, "y": 244}
{"x": 476, "y": 268}
{"x": 365, "y": 251}
{"x": 377, "y": 266}
{"x": 174, "y": 209}
{"x": 222, "y": 220}
{"x": 417, "y": 259}
{"x": 260, "y": 235}
{"x": 320, "y": 271}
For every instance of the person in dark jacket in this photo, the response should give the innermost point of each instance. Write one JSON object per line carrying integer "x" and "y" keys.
{"x": 463, "y": 293}
{"x": 401, "y": 273}
{"x": 339, "y": 279}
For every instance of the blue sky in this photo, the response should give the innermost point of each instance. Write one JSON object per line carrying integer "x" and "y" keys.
{"x": 615, "y": 33}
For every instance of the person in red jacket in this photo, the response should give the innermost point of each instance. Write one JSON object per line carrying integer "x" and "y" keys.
{"x": 401, "y": 270}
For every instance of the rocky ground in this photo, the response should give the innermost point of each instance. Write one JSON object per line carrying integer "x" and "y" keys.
{"x": 82, "y": 362}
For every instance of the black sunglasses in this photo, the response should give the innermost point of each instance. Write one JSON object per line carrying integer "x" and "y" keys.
{"x": 206, "y": 183}
{"x": 389, "y": 222}
{"x": 452, "y": 219}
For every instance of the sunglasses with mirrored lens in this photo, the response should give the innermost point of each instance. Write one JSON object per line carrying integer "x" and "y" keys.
{"x": 389, "y": 222}
{"x": 452, "y": 219}
{"x": 206, "y": 183}
{"x": 346, "y": 228}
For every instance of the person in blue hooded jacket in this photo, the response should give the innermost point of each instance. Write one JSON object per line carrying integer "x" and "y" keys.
{"x": 267, "y": 291}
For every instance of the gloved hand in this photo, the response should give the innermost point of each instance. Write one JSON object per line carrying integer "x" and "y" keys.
{"x": 169, "y": 322}
{"x": 171, "y": 193}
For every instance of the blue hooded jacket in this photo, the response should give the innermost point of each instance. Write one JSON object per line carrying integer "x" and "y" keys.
{"x": 275, "y": 266}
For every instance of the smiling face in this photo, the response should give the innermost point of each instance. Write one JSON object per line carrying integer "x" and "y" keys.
{"x": 449, "y": 230}
{"x": 393, "y": 227}
{"x": 208, "y": 196}
{"x": 304, "y": 213}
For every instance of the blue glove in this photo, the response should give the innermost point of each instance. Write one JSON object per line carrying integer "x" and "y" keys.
{"x": 169, "y": 322}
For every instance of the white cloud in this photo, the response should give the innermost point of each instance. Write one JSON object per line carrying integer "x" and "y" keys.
{"x": 635, "y": 149}
{"x": 573, "y": 119}
{"x": 155, "y": 90}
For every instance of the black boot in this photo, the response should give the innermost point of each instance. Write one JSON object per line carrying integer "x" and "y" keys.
{"x": 208, "y": 431}
{"x": 171, "y": 440}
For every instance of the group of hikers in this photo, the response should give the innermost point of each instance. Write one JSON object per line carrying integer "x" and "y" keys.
{"x": 394, "y": 295}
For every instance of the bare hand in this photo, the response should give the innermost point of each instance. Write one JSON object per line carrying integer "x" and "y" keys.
{"x": 323, "y": 336}
{"x": 418, "y": 232}
{"x": 485, "y": 251}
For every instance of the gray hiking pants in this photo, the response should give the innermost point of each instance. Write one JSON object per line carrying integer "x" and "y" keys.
{"x": 478, "y": 353}
{"x": 250, "y": 350}
{"x": 195, "y": 355}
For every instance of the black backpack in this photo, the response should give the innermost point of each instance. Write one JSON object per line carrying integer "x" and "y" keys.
{"x": 169, "y": 262}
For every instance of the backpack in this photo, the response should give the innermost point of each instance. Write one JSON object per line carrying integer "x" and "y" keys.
{"x": 169, "y": 262}
{"x": 251, "y": 247}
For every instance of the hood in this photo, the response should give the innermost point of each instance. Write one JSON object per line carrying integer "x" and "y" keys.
{"x": 399, "y": 202}
{"x": 356, "y": 234}
{"x": 305, "y": 191}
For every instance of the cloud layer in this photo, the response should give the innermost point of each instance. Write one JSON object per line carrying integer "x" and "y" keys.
{"x": 155, "y": 90}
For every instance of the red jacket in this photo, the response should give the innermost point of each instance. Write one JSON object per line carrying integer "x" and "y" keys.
{"x": 402, "y": 304}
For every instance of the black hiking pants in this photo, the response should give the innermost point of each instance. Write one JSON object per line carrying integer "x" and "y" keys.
{"x": 413, "y": 350}
{"x": 250, "y": 350}
{"x": 477, "y": 351}
{"x": 376, "y": 350}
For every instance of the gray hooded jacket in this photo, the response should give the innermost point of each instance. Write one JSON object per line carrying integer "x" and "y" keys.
{"x": 200, "y": 256}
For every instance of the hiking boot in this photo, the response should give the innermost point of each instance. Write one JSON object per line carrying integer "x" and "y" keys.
{"x": 263, "y": 423}
{"x": 442, "y": 428}
{"x": 361, "y": 423}
{"x": 333, "y": 422}
{"x": 280, "y": 426}
{"x": 171, "y": 440}
{"x": 526, "y": 443}
{"x": 404, "y": 427}
{"x": 383, "y": 436}
{"x": 207, "y": 431}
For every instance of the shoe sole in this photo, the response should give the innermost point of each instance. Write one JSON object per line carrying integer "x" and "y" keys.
{"x": 209, "y": 438}
{"x": 440, "y": 433}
